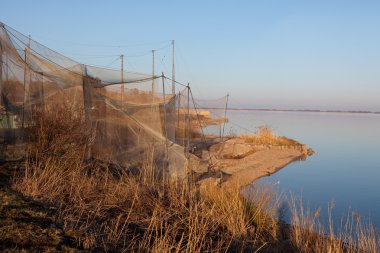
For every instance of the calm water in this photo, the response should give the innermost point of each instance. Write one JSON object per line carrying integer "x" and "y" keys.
{"x": 345, "y": 169}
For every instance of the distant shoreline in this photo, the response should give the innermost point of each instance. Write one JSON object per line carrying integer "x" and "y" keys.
{"x": 295, "y": 110}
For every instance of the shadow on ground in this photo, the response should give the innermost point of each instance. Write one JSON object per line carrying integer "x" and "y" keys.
{"x": 27, "y": 224}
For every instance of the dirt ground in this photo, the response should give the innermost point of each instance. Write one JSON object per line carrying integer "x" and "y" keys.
{"x": 28, "y": 225}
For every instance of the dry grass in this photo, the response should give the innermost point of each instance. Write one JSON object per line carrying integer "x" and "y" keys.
{"x": 109, "y": 209}
{"x": 182, "y": 132}
{"x": 265, "y": 135}
{"x": 311, "y": 235}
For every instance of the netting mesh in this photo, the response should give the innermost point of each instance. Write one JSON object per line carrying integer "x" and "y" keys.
{"x": 128, "y": 119}
{"x": 127, "y": 113}
{"x": 197, "y": 118}
{"x": 31, "y": 78}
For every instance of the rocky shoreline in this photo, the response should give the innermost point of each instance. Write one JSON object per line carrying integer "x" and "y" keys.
{"x": 238, "y": 162}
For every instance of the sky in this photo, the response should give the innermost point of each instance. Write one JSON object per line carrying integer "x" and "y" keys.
{"x": 289, "y": 54}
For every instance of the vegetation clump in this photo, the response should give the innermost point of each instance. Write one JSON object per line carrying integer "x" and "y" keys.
{"x": 265, "y": 135}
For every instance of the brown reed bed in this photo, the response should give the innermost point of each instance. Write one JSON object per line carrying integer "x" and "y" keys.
{"x": 108, "y": 209}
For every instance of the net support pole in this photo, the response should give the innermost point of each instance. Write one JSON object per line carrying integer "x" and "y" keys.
{"x": 188, "y": 121}
{"x": 29, "y": 70}
{"x": 153, "y": 80}
{"x": 178, "y": 109}
{"x": 26, "y": 83}
{"x": 187, "y": 128}
{"x": 164, "y": 116}
{"x": 25, "y": 89}
{"x": 122, "y": 80}
{"x": 225, "y": 114}
{"x": 87, "y": 102}
{"x": 1, "y": 67}
{"x": 173, "y": 70}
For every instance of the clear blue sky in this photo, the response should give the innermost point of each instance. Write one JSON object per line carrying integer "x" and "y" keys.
{"x": 266, "y": 54}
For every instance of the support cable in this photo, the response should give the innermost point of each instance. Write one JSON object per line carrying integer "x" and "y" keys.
{"x": 184, "y": 85}
{"x": 68, "y": 69}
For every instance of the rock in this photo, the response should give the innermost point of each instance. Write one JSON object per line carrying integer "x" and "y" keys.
{"x": 310, "y": 152}
{"x": 233, "y": 149}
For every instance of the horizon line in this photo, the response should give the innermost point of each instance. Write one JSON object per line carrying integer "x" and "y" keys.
{"x": 297, "y": 110}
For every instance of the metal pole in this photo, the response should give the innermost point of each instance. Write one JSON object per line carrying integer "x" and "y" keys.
{"x": 153, "y": 90}
{"x": 24, "y": 101}
{"x": 225, "y": 114}
{"x": 122, "y": 78}
{"x": 29, "y": 70}
{"x": 26, "y": 84}
{"x": 178, "y": 108}
{"x": 164, "y": 109}
{"x": 164, "y": 106}
{"x": 1, "y": 69}
{"x": 87, "y": 100}
{"x": 173, "y": 70}
{"x": 188, "y": 119}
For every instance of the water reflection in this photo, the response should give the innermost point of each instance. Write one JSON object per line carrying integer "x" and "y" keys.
{"x": 345, "y": 169}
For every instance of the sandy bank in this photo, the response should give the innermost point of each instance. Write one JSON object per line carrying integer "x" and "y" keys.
{"x": 260, "y": 164}
{"x": 239, "y": 163}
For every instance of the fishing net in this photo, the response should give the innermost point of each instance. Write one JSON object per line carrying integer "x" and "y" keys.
{"x": 198, "y": 118}
{"x": 127, "y": 114}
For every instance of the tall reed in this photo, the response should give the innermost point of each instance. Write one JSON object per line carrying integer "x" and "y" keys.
{"x": 111, "y": 209}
